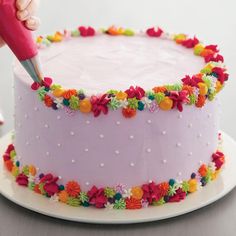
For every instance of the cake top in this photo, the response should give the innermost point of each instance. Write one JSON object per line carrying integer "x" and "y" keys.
{"x": 151, "y": 70}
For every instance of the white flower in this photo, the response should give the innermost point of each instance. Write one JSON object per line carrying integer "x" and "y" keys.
{"x": 127, "y": 193}
{"x": 109, "y": 206}
{"x": 59, "y": 102}
{"x": 31, "y": 178}
{"x": 212, "y": 166}
{"x": 123, "y": 103}
{"x": 54, "y": 198}
{"x": 147, "y": 102}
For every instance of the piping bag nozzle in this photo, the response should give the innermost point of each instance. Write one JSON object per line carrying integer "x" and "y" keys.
{"x": 19, "y": 39}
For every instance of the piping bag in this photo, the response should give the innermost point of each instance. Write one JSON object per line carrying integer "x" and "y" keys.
{"x": 19, "y": 39}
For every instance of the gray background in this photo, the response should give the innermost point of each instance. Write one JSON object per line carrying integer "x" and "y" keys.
{"x": 213, "y": 21}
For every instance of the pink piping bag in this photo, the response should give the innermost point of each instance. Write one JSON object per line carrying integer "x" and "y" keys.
{"x": 19, "y": 39}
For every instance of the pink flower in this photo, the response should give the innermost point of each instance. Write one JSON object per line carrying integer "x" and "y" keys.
{"x": 22, "y": 179}
{"x": 190, "y": 43}
{"x": 187, "y": 80}
{"x": 221, "y": 76}
{"x": 179, "y": 98}
{"x": 215, "y": 58}
{"x": 135, "y": 92}
{"x": 99, "y": 104}
{"x": 151, "y": 192}
{"x": 219, "y": 159}
{"x": 97, "y": 197}
{"x": 212, "y": 47}
{"x": 50, "y": 185}
{"x": 180, "y": 195}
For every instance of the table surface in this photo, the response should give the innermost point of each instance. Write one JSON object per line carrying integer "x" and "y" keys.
{"x": 216, "y": 219}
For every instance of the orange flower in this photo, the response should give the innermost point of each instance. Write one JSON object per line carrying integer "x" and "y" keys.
{"x": 32, "y": 170}
{"x": 206, "y": 52}
{"x": 158, "y": 89}
{"x": 128, "y": 112}
{"x": 132, "y": 203}
{"x": 202, "y": 170}
{"x": 36, "y": 189}
{"x": 164, "y": 187}
{"x": 73, "y": 188}
{"x": 166, "y": 104}
{"x": 48, "y": 101}
{"x": 121, "y": 95}
{"x": 200, "y": 101}
{"x": 9, "y": 165}
{"x": 192, "y": 185}
{"x": 63, "y": 196}
{"x": 85, "y": 106}
{"x": 137, "y": 193}
{"x": 188, "y": 88}
{"x": 68, "y": 93}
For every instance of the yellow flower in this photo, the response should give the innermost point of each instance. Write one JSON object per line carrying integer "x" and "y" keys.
{"x": 121, "y": 95}
{"x": 166, "y": 104}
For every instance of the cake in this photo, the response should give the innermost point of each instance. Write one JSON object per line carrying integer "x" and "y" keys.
{"x": 126, "y": 119}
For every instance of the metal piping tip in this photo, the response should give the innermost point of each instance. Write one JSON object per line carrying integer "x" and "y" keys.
{"x": 32, "y": 66}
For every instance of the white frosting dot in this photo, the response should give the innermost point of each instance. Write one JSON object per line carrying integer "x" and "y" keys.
{"x": 101, "y": 136}
{"x": 150, "y": 181}
{"x": 149, "y": 121}
{"x": 86, "y": 150}
{"x": 163, "y": 132}
{"x": 37, "y": 137}
{"x": 59, "y": 177}
{"x": 164, "y": 161}
{"x": 117, "y": 152}
{"x": 58, "y": 117}
{"x": 19, "y": 125}
{"x": 118, "y": 122}
{"x": 180, "y": 116}
{"x": 131, "y": 136}
{"x": 59, "y": 145}
{"x": 87, "y": 183}
{"x": 132, "y": 164}
{"x": 37, "y": 168}
{"x": 209, "y": 115}
{"x": 149, "y": 150}
{"x": 27, "y": 143}
{"x": 87, "y": 122}
{"x": 179, "y": 173}
{"x": 102, "y": 165}
{"x": 199, "y": 135}
{"x": 26, "y": 116}
{"x": 190, "y": 125}
{"x": 47, "y": 153}
{"x": 36, "y": 109}
{"x": 200, "y": 162}
{"x": 208, "y": 143}
{"x": 72, "y": 133}
{"x": 46, "y": 125}
{"x": 178, "y": 144}
{"x": 190, "y": 154}
{"x": 19, "y": 98}
{"x": 73, "y": 161}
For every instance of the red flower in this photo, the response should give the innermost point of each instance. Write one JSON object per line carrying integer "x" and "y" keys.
{"x": 22, "y": 179}
{"x": 73, "y": 188}
{"x": 179, "y": 98}
{"x": 97, "y": 197}
{"x": 132, "y": 203}
{"x": 187, "y": 80}
{"x": 154, "y": 33}
{"x": 221, "y": 76}
{"x": 180, "y": 195}
{"x": 212, "y": 57}
{"x": 190, "y": 43}
{"x": 128, "y": 112}
{"x": 99, "y": 104}
{"x": 136, "y": 92}
{"x": 212, "y": 47}
{"x": 85, "y": 32}
{"x": 48, "y": 101}
{"x": 163, "y": 188}
{"x": 151, "y": 192}
{"x": 201, "y": 100}
{"x": 219, "y": 159}
{"x": 10, "y": 148}
{"x": 46, "y": 83}
{"x": 50, "y": 185}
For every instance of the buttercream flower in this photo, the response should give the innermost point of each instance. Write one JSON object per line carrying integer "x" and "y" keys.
{"x": 163, "y": 188}
{"x": 48, "y": 101}
{"x": 128, "y": 112}
{"x": 153, "y": 32}
{"x": 63, "y": 196}
{"x": 190, "y": 43}
{"x": 200, "y": 101}
{"x": 46, "y": 83}
{"x": 120, "y": 188}
{"x": 59, "y": 102}
{"x": 121, "y": 95}
{"x": 214, "y": 57}
{"x": 72, "y": 201}
{"x": 74, "y": 102}
{"x": 114, "y": 103}
{"x": 135, "y": 92}
{"x": 99, "y": 104}
{"x": 85, "y": 32}
{"x": 119, "y": 204}
{"x": 127, "y": 193}
{"x": 219, "y": 159}
{"x": 109, "y": 206}
{"x": 22, "y": 179}
{"x": 159, "y": 89}
{"x": 49, "y": 184}
{"x": 220, "y": 74}
{"x": 137, "y": 192}
{"x": 179, "y": 98}
{"x": 10, "y": 148}
{"x": 73, "y": 188}
{"x": 132, "y": 203}
{"x": 180, "y": 195}
{"x": 97, "y": 197}
{"x": 192, "y": 81}
{"x": 68, "y": 93}
{"x": 202, "y": 170}
{"x": 151, "y": 192}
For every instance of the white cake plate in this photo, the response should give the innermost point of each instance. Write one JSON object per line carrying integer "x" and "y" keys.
{"x": 35, "y": 202}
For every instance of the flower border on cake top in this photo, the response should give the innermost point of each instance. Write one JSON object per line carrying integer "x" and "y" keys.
{"x": 118, "y": 197}
{"x": 191, "y": 90}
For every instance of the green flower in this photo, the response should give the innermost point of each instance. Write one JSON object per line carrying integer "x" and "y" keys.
{"x": 74, "y": 103}
{"x": 192, "y": 99}
{"x": 120, "y": 204}
{"x": 159, "y": 97}
{"x": 207, "y": 81}
{"x": 41, "y": 93}
{"x": 41, "y": 185}
{"x": 75, "y": 33}
{"x": 172, "y": 190}
{"x": 112, "y": 91}
{"x": 208, "y": 175}
{"x": 133, "y": 103}
{"x": 25, "y": 170}
{"x": 12, "y": 154}
{"x": 109, "y": 192}
{"x": 128, "y": 32}
{"x": 211, "y": 94}
{"x": 72, "y": 201}
{"x": 174, "y": 87}
{"x": 83, "y": 197}
{"x": 185, "y": 186}
{"x": 31, "y": 185}
{"x": 55, "y": 86}
{"x": 114, "y": 104}
{"x": 159, "y": 202}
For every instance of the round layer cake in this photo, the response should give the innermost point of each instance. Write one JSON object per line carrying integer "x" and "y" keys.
{"x": 127, "y": 110}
